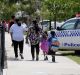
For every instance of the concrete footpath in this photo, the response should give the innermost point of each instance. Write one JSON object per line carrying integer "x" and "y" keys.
{"x": 62, "y": 66}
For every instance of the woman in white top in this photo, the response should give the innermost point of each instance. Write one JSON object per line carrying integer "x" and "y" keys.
{"x": 17, "y": 35}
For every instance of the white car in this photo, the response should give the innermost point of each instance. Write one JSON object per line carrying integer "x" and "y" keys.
{"x": 58, "y": 24}
{"x": 45, "y": 24}
{"x": 69, "y": 34}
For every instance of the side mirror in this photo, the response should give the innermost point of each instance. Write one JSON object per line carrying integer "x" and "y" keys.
{"x": 58, "y": 28}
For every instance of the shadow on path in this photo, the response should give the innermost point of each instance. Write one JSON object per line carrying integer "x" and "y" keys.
{"x": 67, "y": 53}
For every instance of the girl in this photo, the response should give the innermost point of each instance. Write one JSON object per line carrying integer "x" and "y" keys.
{"x": 44, "y": 45}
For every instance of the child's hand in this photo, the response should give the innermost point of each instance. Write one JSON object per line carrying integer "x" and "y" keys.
{"x": 56, "y": 43}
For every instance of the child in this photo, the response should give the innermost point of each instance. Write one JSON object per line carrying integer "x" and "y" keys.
{"x": 54, "y": 44}
{"x": 44, "y": 45}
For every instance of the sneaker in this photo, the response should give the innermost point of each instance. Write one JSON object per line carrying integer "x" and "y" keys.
{"x": 16, "y": 58}
{"x": 21, "y": 56}
{"x": 32, "y": 59}
{"x": 53, "y": 58}
{"x": 37, "y": 58}
{"x": 46, "y": 58}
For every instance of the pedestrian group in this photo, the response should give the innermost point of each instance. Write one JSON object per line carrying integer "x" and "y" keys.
{"x": 38, "y": 40}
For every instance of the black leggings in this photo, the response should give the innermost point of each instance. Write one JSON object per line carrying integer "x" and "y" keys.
{"x": 33, "y": 47}
{"x": 16, "y": 44}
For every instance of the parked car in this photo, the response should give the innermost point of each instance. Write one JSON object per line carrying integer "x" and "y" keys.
{"x": 68, "y": 34}
{"x": 45, "y": 24}
{"x": 58, "y": 24}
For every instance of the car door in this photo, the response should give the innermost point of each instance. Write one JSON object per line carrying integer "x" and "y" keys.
{"x": 76, "y": 39}
{"x": 66, "y": 34}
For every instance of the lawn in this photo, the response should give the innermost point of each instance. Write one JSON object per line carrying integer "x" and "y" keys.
{"x": 71, "y": 55}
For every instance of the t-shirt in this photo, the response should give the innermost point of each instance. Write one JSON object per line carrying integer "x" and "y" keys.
{"x": 17, "y": 32}
{"x": 33, "y": 36}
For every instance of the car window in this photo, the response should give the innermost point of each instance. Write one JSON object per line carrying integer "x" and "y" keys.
{"x": 45, "y": 23}
{"x": 69, "y": 24}
{"x": 78, "y": 25}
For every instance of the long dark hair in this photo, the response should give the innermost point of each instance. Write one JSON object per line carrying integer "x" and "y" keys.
{"x": 45, "y": 35}
{"x": 36, "y": 27}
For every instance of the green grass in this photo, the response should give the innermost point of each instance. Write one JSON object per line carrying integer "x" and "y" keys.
{"x": 71, "y": 55}
{"x": 75, "y": 58}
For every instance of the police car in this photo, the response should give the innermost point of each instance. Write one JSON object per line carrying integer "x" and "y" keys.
{"x": 69, "y": 34}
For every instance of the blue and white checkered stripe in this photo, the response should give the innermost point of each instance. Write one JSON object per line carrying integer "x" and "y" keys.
{"x": 68, "y": 33}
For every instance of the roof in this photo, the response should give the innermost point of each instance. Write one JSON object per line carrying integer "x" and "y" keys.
{"x": 73, "y": 18}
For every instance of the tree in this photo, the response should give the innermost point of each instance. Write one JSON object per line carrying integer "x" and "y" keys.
{"x": 64, "y": 9}
{"x": 10, "y": 7}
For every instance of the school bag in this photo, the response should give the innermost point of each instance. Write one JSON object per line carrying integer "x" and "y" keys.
{"x": 54, "y": 44}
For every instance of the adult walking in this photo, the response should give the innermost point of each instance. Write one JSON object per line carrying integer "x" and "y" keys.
{"x": 34, "y": 37}
{"x": 17, "y": 35}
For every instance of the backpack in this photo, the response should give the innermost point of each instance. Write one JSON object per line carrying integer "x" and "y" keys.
{"x": 54, "y": 44}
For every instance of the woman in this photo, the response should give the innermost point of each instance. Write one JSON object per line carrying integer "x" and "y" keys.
{"x": 34, "y": 37}
{"x": 17, "y": 35}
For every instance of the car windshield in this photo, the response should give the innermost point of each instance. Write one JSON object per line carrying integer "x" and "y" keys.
{"x": 45, "y": 23}
{"x": 69, "y": 24}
